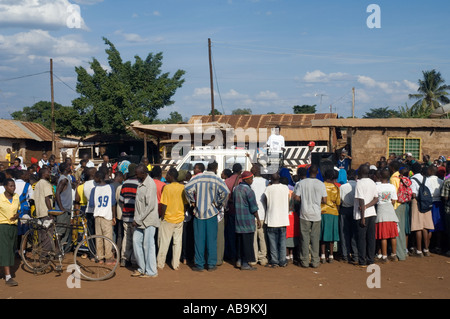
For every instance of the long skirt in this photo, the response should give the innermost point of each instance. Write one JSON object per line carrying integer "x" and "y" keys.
{"x": 8, "y": 244}
{"x": 329, "y": 228}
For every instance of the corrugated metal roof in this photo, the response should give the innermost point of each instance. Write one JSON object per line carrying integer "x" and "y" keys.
{"x": 264, "y": 120}
{"x": 383, "y": 123}
{"x": 294, "y": 127}
{"x": 24, "y": 130}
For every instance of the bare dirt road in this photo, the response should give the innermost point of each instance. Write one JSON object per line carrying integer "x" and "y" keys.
{"x": 415, "y": 278}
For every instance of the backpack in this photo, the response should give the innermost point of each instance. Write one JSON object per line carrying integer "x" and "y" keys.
{"x": 25, "y": 207}
{"x": 424, "y": 197}
{"x": 404, "y": 192}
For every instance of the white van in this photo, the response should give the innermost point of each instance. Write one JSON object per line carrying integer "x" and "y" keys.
{"x": 225, "y": 158}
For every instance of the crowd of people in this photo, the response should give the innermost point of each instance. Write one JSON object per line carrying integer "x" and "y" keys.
{"x": 386, "y": 212}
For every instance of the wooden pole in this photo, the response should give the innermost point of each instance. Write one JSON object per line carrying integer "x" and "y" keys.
{"x": 353, "y": 103}
{"x": 53, "y": 108}
{"x": 211, "y": 80}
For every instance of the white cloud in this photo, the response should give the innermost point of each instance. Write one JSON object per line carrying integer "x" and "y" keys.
{"x": 39, "y": 44}
{"x": 131, "y": 37}
{"x": 41, "y": 14}
{"x": 318, "y": 76}
{"x": 267, "y": 95}
{"x": 410, "y": 85}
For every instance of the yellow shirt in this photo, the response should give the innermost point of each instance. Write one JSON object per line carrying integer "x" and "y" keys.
{"x": 173, "y": 196}
{"x": 395, "y": 180}
{"x": 333, "y": 200}
{"x": 80, "y": 191}
{"x": 8, "y": 209}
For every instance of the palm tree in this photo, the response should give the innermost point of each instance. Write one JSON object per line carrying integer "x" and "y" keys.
{"x": 432, "y": 92}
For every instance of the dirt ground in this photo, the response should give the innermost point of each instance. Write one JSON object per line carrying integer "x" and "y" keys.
{"x": 415, "y": 278}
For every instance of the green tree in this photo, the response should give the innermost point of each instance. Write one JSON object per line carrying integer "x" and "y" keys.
{"x": 67, "y": 120}
{"x": 381, "y": 113}
{"x": 432, "y": 91}
{"x": 305, "y": 109}
{"x": 112, "y": 99}
{"x": 241, "y": 112}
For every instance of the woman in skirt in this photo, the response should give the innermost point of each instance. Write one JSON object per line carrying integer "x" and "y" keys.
{"x": 9, "y": 206}
{"x": 330, "y": 217}
{"x": 387, "y": 221}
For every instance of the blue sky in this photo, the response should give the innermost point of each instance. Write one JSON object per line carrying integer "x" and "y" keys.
{"x": 269, "y": 55}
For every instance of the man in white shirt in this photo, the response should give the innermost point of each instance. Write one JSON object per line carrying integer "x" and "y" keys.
{"x": 259, "y": 186}
{"x": 276, "y": 142}
{"x": 311, "y": 193}
{"x": 347, "y": 225}
{"x": 276, "y": 197}
{"x": 366, "y": 196}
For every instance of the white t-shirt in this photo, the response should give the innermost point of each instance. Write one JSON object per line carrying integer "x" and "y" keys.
{"x": 275, "y": 143}
{"x": 347, "y": 191}
{"x": 311, "y": 192}
{"x": 366, "y": 189}
{"x": 386, "y": 193}
{"x": 103, "y": 198}
{"x": 88, "y": 187}
{"x": 259, "y": 185}
{"x": 277, "y": 199}
{"x": 434, "y": 184}
{"x": 415, "y": 186}
{"x": 20, "y": 186}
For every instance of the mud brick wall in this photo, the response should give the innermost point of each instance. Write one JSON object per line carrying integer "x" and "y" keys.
{"x": 368, "y": 145}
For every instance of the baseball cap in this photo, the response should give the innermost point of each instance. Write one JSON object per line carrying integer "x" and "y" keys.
{"x": 312, "y": 144}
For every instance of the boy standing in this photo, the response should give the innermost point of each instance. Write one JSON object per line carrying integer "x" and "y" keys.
{"x": 277, "y": 219}
{"x": 173, "y": 206}
{"x": 103, "y": 201}
{"x": 311, "y": 192}
{"x": 366, "y": 196}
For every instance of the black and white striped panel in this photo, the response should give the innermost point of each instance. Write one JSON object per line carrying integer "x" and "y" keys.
{"x": 296, "y": 155}
{"x": 167, "y": 164}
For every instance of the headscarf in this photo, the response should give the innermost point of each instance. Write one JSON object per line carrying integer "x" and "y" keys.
{"x": 342, "y": 177}
{"x": 284, "y": 172}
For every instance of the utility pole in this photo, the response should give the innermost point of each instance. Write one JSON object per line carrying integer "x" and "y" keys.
{"x": 53, "y": 107}
{"x": 353, "y": 103}
{"x": 211, "y": 80}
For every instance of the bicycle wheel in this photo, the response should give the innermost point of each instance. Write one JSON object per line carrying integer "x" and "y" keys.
{"x": 36, "y": 248}
{"x": 96, "y": 258}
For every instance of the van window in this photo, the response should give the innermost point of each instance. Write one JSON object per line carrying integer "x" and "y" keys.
{"x": 229, "y": 161}
{"x": 190, "y": 162}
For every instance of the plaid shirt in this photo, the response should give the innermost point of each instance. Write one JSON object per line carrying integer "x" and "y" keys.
{"x": 245, "y": 205}
{"x": 445, "y": 192}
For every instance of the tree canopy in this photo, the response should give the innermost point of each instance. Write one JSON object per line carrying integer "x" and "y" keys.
{"x": 431, "y": 93}
{"x": 304, "y": 109}
{"x": 381, "y": 113}
{"x": 112, "y": 99}
{"x": 67, "y": 120}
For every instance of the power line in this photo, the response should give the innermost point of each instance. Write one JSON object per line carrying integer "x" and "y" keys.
{"x": 64, "y": 83}
{"x": 24, "y": 76}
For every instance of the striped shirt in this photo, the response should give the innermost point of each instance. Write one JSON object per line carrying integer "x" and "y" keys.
{"x": 128, "y": 198}
{"x": 209, "y": 193}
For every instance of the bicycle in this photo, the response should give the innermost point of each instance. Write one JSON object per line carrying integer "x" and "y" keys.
{"x": 41, "y": 247}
